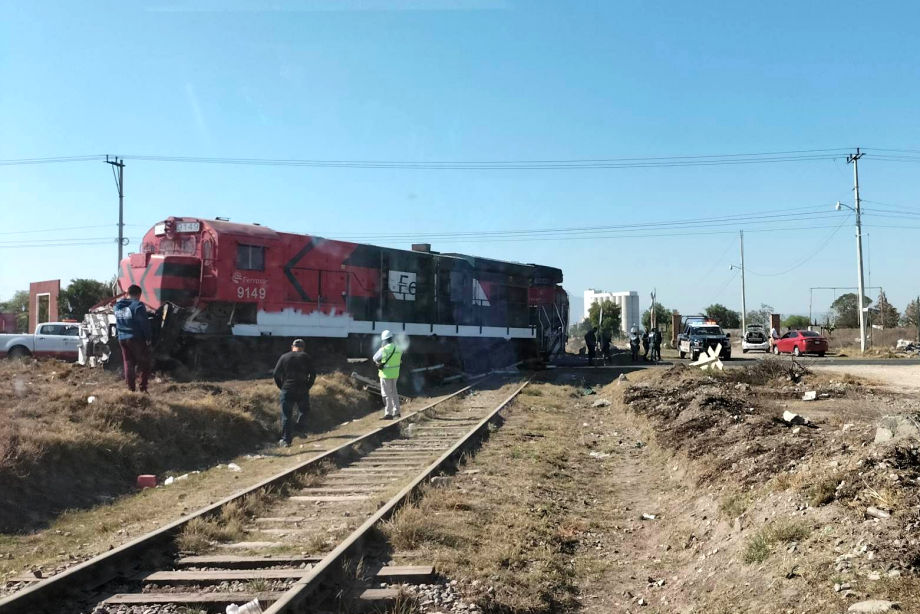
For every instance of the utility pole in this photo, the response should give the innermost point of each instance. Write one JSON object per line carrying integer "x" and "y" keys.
{"x": 743, "y": 297}
{"x": 119, "y": 163}
{"x": 854, "y": 158}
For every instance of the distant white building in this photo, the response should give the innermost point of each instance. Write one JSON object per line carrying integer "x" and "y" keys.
{"x": 628, "y": 302}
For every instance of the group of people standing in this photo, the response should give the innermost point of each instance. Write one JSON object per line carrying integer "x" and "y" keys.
{"x": 591, "y": 341}
{"x": 650, "y": 341}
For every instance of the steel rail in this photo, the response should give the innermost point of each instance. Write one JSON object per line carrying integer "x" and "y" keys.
{"x": 296, "y": 596}
{"x": 45, "y": 595}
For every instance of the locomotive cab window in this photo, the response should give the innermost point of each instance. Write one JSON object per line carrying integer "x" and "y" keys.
{"x": 250, "y": 257}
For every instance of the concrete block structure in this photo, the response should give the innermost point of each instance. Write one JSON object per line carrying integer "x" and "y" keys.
{"x": 628, "y": 302}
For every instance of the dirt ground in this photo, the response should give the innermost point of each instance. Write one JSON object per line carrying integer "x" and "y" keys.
{"x": 687, "y": 493}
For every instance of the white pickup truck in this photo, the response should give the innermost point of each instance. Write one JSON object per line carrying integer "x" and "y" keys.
{"x": 51, "y": 339}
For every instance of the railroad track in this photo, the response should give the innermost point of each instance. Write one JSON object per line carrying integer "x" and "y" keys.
{"x": 302, "y": 530}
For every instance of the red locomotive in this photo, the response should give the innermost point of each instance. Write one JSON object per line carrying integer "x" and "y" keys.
{"x": 212, "y": 280}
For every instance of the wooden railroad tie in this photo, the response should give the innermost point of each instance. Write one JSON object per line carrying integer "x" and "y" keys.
{"x": 245, "y": 562}
{"x": 192, "y": 598}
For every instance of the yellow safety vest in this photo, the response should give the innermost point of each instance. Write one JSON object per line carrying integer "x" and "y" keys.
{"x": 390, "y": 362}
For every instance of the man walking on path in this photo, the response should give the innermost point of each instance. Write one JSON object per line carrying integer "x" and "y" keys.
{"x": 387, "y": 359}
{"x": 134, "y": 337}
{"x": 294, "y": 375}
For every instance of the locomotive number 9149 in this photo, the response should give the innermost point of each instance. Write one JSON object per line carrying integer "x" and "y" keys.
{"x": 258, "y": 293}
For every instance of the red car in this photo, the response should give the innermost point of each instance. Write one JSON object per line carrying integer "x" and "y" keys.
{"x": 800, "y": 342}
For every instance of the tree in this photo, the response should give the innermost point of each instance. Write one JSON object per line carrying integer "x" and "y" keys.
{"x": 579, "y": 329}
{"x": 726, "y": 317}
{"x": 761, "y": 316}
{"x": 18, "y": 305}
{"x": 76, "y": 299}
{"x": 887, "y": 313}
{"x": 909, "y": 317}
{"x": 846, "y": 314}
{"x": 796, "y": 322}
{"x": 609, "y": 323}
{"x": 662, "y": 318}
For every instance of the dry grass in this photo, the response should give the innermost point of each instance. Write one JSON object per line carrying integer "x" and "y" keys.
{"x": 823, "y": 491}
{"x": 230, "y": 525}
{"x": 516, "y": 535}
{"x": 59, "y": 451}
{"x": 759, "y": 546}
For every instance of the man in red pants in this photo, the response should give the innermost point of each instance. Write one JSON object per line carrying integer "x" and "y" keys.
{"x": 134, "y": 337}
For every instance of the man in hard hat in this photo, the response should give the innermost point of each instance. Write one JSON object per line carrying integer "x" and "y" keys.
{"x": 387, "y": 359}
{"x": 294, "y": 375}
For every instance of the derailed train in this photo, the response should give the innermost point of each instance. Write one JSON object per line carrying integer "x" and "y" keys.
{"x": 213, "y": 281}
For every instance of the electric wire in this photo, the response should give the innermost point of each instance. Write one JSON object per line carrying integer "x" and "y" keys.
{"x": 808, "y": 258}
{"x": 802, "y": 155}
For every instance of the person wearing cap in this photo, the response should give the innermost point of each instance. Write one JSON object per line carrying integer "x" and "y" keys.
{"x": 388, "y": 359}
{"x": 294, "y": 375}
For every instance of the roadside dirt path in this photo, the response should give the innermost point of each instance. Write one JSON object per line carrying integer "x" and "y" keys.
{"x": 894, "y": 377}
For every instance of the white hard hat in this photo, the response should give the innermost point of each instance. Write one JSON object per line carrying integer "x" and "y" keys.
{"x": 386, "y": 335}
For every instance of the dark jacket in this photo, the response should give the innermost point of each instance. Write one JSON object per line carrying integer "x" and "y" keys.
{"x": 294, "y": 373}
{"x": 590, "y": 339}
{"x": 131, "y": 319}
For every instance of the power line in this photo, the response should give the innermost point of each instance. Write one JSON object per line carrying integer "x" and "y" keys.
{"x": 59, "y": 229}
{"x": 801, "y": 155}
{"x": 778, "y": 215}
{"x": 50, "y": 160}
{"x": 808, "y": 258}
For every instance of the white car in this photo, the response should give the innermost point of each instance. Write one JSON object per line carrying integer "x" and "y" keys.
{"x": 755, "y": 338}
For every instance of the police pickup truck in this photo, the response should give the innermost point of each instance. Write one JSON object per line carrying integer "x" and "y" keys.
{"x": 699, "y": 334}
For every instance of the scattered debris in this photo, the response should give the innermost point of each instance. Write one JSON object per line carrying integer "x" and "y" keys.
{"x": 874, "y": 606}
{"x": 90, "y": 400}
{"x": 439, "y": 481}
{"x": 587, "y": 392}
{"x": 896, "y": 427}
{"x": 598, "y": 454}
{"x": 793, "y": 418}
{"x": 877, "y": 513}
{"x": 234, "y": 467}
{"x": 601, "y": 403}
{"x": 811, "y": 395}
{"x": 622, "y": 378}
{"x": 146, "y": 480}
{"x": 648, "y": 516}
{"x": 252, "y": 607}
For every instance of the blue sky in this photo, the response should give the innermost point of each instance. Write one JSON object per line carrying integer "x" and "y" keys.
{"x": 479, "y": 80}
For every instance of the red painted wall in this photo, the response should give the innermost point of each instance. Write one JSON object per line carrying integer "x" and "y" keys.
{"x": 7, "y": 323}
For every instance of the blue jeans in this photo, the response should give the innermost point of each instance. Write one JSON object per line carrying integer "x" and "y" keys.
{"x": 289, "y": 400}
